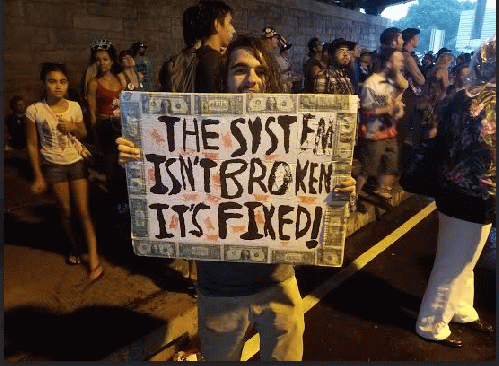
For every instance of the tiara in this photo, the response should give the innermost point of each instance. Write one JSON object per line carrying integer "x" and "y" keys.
{"x": 101, "y": 44}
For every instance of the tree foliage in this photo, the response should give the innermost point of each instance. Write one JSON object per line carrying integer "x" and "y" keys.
{"x": 440, "y": 14}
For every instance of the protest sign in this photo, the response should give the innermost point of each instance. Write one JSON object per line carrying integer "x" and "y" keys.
{"x": 239, "y": 177}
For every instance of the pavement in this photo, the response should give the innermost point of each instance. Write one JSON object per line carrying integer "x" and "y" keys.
{"x": 142, "y": 309}
{"x": 51, "y": 314}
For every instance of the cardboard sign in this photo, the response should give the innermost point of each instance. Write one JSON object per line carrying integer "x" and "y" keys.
{"x": 239, "y": 177}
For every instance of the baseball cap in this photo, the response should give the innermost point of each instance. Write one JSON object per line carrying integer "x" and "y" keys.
{"x": 408, "y": 33}
{"x": 137, "y": 45}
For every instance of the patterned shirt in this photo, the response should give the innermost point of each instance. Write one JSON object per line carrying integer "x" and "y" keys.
{"x": 333, "y": 81}
{"x": 376, "y": 92}
{"x": 468, "y": 125}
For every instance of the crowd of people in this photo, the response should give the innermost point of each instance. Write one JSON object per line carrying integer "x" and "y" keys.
{"x": 404, "y": 102}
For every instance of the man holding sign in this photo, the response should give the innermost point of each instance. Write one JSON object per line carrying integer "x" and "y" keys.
{"x": 236, "y": 296}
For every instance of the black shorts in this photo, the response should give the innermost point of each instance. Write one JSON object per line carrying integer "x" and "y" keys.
{"x": 59, "y": 173}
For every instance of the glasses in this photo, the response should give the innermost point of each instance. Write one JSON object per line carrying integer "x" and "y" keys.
{"x": 344, "y": 51}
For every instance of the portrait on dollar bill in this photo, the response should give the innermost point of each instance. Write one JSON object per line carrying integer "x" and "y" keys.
{"x": 239, "y": 177}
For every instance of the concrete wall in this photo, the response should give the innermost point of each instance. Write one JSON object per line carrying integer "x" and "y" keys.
{"x": 37, "y": 31}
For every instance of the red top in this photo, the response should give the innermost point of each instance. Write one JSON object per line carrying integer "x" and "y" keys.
{"x": 105, "y": 99}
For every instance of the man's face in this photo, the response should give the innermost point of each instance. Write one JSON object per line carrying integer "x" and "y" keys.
{"x": 397, "y": 62}
{"x": 365, "y": 59}
{"x": 342, "y": 55}
{"x": 398, "y": 42}
{"x": 20, "y": 107}
{"x": 464, "y": 72}
{"x": 225, "y": 30}
{"x": 415, "y": 41}
{"x": 318, "y": 47}
{"x": 356, "y": 51}
{"x": 272, "y": 42}
{"x": 142, "y": 51}
{"x": 245, "y": 74}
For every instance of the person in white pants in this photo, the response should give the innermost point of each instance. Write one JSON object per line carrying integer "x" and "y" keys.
{"x": 450, "y": 291}
{"x": 465, "y": 201}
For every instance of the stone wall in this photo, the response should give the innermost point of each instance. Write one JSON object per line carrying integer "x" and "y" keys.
{"x": 37, "y": 31}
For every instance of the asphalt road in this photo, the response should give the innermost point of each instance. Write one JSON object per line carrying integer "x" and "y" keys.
{"x": 368, "y": 316}
{"x": 370, "y": 313}
{"x": 371, "y": 316}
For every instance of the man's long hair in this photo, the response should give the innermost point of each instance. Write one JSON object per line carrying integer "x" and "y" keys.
{"x": 255, "y": 45}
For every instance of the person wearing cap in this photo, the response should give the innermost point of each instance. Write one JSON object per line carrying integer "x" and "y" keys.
{"x": 335, "y": 79}
{"x": 271, "y": 38}
{"x": 143, "y": 64}
{"x": 416, "y": 80}
{"x": 289, "y": 75}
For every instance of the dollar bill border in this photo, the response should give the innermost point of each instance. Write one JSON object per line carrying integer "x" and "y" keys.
{"x": 330, "y": 258}
{"x": 150, "y": 248}
{"x": 271, "y": 103}
{"x": 131, "y": 119}
{"x": 324, "y": 103}
{"x": 329, "y": 254}
{"x": 257, "y": 254}
{"x": 139, "y": 217}
{"x": 200, "y": 251}
{"x": 163, "y": 103}
{"x": 293, "y": 257}
{"x": 219, "y": 104}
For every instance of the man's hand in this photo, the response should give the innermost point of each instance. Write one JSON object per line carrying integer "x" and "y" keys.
{"x": 127, "y": 151}
{"x": 346, "y": 188}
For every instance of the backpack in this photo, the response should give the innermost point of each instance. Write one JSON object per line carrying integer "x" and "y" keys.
{"x": 178, "y": 73}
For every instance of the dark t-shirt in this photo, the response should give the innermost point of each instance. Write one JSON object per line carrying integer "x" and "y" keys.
{"x": 309, "y": 78}
{"x": 208, "y": 70}
{"x": 16, "y": 127}
{"x": 239, "y": 279}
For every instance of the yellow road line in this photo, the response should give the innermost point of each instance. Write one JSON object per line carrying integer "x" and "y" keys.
{"x": 252, "y": 345}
